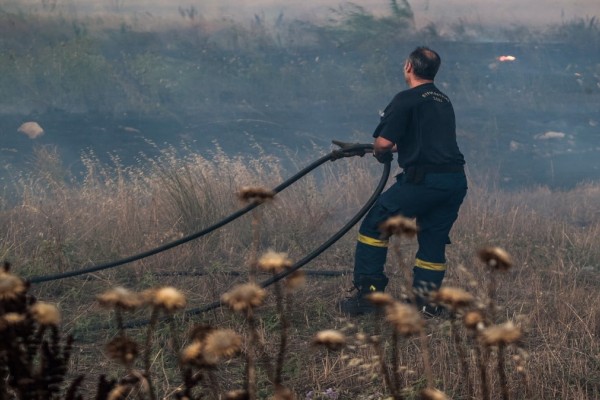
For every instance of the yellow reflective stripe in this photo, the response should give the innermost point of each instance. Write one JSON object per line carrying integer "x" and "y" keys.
{"x": 372, "y": 241}
{"x": 430, "y": 265}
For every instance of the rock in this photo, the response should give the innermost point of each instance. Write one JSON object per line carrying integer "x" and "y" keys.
{"x": 31, "y": 129}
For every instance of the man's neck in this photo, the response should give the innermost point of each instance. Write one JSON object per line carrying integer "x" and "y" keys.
{"x": 413, "y": 83}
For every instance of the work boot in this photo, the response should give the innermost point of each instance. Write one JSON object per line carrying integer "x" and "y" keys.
{"x": 358, "y": 304}
{"x": 426, "y": 282}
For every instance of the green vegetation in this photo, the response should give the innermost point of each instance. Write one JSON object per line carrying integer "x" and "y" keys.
{"x": 117, "y": 64}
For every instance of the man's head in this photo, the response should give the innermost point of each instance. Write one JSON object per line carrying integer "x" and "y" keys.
{"x": 423, "y": 63}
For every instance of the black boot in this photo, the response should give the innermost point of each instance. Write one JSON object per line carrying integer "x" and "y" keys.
{"x": 426, "y": 282}
{"x": 358, "y": 304}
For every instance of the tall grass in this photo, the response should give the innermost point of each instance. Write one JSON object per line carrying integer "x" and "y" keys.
{"x": 58, "y": 224}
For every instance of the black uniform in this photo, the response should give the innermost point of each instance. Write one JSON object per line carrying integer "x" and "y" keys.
{"x": 421, "y": 122}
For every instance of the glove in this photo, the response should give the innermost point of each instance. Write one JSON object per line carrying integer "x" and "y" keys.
{"x": 384, "y": 157}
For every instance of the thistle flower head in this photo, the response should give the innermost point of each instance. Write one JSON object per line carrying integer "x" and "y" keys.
{"x": 122, "y": 349}
{"x": 274, "y": 262}
{"x": 244, "y": 297}
{"x": 119, "y": 297}
{"x": 13, "y": 318}
{"x": 283, "y": 393}
{"x": 380, "y": 299}
{"x": 167, "y": 298}
{"x": 221, "y": 343}
{"x": 405, "y": 319}
{"x": 473, "y": 320}
{"x": 119, "y": 392}
{"x": 453, "y": 298}
{"x": 295, "y": 280}
{"x": 10, "y": 319}
{"x": 45, "y": 314}
{"x": 398, "y": 225}
{"x": 249, "y": 194}
{"x": 11, "y": 286}
{"x": 332, "y": 339}
{"x": 503, "y": 334}
{"x": 433, "y": 394}
{"x": 238, "y": 394}
{"x": 192, "y": 353}
{"x": 495, "y": 258}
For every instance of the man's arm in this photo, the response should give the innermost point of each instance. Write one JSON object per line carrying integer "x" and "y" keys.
{"x": 382, "y": 149}
{"x": 382, "y": 145}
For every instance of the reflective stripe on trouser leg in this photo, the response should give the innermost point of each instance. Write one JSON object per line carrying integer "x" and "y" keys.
{"x": 427, "y": 277}
{"x": 370, "y": 256}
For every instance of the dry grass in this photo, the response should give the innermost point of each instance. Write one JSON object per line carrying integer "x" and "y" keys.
{"x": 551, "y": 293}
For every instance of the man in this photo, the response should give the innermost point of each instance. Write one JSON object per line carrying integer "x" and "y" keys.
{"x": 419, "y": 125}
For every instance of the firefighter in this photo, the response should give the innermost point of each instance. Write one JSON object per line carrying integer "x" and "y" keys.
{"x": 419, "y": 126}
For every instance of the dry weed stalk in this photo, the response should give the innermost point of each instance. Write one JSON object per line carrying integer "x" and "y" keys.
{"x": 497, "y": 260}
{"x": 405, "y": 321}
{"x": 400, "y": 226}
{"x": 501, "y": 336}
{"x": 276, "y": 263}
{"x": 245, "y": 299}
{"x": 456, "y": 301}
{"x": 33, "y": 361}
{"x": 255, "y": 195}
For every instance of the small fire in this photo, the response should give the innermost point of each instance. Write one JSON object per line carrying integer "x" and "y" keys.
{"x": 506, "y": 58}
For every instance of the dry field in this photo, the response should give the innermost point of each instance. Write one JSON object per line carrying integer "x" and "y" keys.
{"x": 535, "y": 334}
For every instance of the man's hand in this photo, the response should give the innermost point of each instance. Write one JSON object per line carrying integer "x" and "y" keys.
{"x": 383, "y": 157}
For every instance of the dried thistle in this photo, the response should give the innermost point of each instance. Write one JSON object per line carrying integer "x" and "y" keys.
{"x": 495, "y": 258}
{"x": 398, "y": 225}
{"x": 433, "y": 394}
{"x": 122, "y": 349}
{"x": 192, "y": 354}
{"x": 405, "y": 319}
{"x": 250, "y": 194}
{"x": 283, "y": 393}
{"x": 167, "y": 298}
{"x": 503, "y": 334}
{"x": 11, "y": 286}
{"x": 274, "y": 262}
{"x": 244, "y": 297}
{"x": 473, "y": 320}
{"x": 221, "y": 343}
{"x": 120, "y": 297}
{"x": 45, "y": 314}
{"x": 13, "y": 318}
{"x": 332, "y": 339}
{"x": 119, "y": 392}
{"x": 380, "y": 299}
{"x": 453, "y": 298}
{"x": 295, "y": 280}
{"x": 238, "y": 394}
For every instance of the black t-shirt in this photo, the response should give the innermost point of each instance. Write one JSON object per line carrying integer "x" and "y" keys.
{"x": 421, "y": 122}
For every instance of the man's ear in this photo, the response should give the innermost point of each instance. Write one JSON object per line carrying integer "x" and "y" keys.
{"x": 407, "y": 67}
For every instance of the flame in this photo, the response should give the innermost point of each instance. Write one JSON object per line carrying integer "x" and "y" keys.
{"x": 506, "y": 58}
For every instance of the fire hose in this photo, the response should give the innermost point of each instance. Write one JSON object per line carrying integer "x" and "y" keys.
{"x": 345, "y": 150}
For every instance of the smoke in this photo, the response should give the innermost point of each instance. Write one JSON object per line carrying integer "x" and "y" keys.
{"x": 526, "y": 108}
{"x": 499, "y": 12}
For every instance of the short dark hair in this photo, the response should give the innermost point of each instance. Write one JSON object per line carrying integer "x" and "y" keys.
{"x": 425, "y": 62}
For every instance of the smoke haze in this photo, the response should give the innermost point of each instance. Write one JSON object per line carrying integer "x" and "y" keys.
{"x": 499, "y": 12}
{"x": 524, "y": 77}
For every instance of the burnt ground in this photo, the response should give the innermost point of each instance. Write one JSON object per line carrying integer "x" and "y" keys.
{"x": 534, "y": 121}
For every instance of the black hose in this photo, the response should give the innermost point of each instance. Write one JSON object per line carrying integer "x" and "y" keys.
{"x": 302, "y": 262}
{"x": 346, "y": 150}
